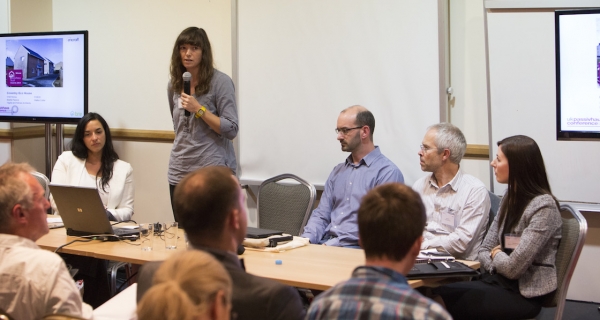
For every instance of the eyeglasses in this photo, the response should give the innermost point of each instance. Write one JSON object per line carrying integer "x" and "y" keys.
{"x": 425, "y": 149}
{"x": 345, "y": 131}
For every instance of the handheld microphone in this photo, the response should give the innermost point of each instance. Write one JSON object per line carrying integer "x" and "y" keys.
{"x": 187, "y": 77}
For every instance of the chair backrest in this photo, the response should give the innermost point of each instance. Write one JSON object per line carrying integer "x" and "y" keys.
{"x": 495, "y": 206}
{"x": 285, "y": 207}
{"x": 573, "y": 237}
{"x": 44, "y": 181}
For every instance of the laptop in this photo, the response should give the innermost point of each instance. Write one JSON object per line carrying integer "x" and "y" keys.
{"x": 83, "y": 213}
{"x": 257, "y": 233}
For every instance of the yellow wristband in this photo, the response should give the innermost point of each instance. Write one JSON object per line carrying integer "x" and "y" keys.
{"x": 200, "y": 112}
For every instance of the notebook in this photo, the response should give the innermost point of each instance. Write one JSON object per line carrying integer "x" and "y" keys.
{"x": 54, "y": 222}
{"x": 257, "y": 233}
{"x": 83, "y": 213}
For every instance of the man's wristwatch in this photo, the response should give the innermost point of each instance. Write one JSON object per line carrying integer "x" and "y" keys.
{"x": 200, "y": 112}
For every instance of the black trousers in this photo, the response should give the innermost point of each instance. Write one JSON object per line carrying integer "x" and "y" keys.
{"x": 171, "y": 191}
{"x": 493, "y": 297}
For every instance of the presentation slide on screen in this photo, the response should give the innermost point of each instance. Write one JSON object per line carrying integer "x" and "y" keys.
{"x": 580, "y": 72}
{"x": 44, "y": 76}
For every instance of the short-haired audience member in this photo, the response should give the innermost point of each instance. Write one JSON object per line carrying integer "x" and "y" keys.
{"x": 457, "y": 203}
{"x": 391, "y": 219}
{"x": 333, "y": 222}
{"x": 34, "y": 282}
{"x": 190, "y": 285}
{"x": 519, "y": 251}
{"x": 211, "y": 207}
{"x": 93, "y": 162}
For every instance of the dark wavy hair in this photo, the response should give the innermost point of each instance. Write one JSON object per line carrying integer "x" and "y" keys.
{"x": 527, "y": 178}
{"x": 196, "y": 37}
{"x": 109, "y": 156}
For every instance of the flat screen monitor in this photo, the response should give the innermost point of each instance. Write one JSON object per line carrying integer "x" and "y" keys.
{"x": 577, "y": 46}
{"x": 46, "y": 77}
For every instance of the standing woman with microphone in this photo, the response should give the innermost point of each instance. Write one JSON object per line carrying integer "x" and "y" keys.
{"x": 205, "y": 118}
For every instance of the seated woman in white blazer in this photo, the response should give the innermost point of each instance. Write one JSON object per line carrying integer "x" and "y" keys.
{"x": 93, "y": 162}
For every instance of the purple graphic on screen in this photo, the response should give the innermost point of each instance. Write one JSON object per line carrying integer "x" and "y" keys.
{"x": 14, "y": 78}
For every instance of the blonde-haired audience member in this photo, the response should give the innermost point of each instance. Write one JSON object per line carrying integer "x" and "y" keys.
{"x": 189, "y": 285}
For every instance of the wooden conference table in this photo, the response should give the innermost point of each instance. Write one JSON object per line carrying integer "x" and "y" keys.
{"x": 313, "y": 267}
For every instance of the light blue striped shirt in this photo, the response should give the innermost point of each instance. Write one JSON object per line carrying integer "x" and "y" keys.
{"x": 334, "y": 221}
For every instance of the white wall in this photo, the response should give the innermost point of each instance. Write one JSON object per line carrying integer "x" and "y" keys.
{"x": 468, "y": 108}
{"x": 130, "y": 50}
{"x": 150, "y": 162}
{"x": 303, "y": 61}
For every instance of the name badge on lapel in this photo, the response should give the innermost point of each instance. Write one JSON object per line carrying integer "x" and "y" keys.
{"x": 511, "y": 240}
{"x": 447, "y": 216}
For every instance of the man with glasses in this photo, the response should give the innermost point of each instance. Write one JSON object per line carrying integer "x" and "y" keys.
{"x": 457, "y": 203}
{"x": 333, "y": 222}
{"x": 35, "y": 282}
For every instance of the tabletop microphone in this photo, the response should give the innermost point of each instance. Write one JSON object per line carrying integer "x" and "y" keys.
{"x": 187, "y": 77}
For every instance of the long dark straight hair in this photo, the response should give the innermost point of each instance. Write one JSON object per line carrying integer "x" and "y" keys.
{"x": 109, "y": 156}
{"x": 197, "y": 37}
{"x": 527, "y": 178}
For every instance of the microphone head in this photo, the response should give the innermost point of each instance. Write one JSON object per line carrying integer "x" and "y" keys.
{"x": 187, "y": 76}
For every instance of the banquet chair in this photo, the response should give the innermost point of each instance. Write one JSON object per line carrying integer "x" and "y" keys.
{"x": 574, "y": 229}
{"x": 494, "y": 208}
{"x": 44, "y": 181}
{"x": 285, "y": 206}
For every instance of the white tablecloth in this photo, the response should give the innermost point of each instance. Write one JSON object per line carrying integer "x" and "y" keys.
{"x": 121, "y": 306}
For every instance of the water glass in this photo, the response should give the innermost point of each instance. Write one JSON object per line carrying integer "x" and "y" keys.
{"x": 170, "y": 235}
{"x": 147, "y": 236}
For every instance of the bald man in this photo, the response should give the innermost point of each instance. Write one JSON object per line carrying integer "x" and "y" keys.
{"x": 334, "y": 221}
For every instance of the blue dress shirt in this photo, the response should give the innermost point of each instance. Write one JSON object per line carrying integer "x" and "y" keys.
{"x": 334, "y": 221}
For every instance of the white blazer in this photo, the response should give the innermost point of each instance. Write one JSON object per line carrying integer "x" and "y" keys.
{"x": 68, "y": 170}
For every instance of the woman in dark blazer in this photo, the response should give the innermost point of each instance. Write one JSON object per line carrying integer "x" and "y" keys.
{"x": 518, "y": 254}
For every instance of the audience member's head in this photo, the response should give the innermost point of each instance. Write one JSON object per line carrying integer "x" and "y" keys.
{"x": 520, "y": 164}
{"x": 23, "y": 205}
{"x": 210, "y": 205}
{"x": 391, "y": 219}
{"x": 189, "y": 285}
{"x": 443, "y": 143}
{"x": 355, "y": 127}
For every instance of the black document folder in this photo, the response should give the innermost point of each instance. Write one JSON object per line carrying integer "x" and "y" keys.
{"x": 257, "y": 233}
{"x": 443, "y": 269}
